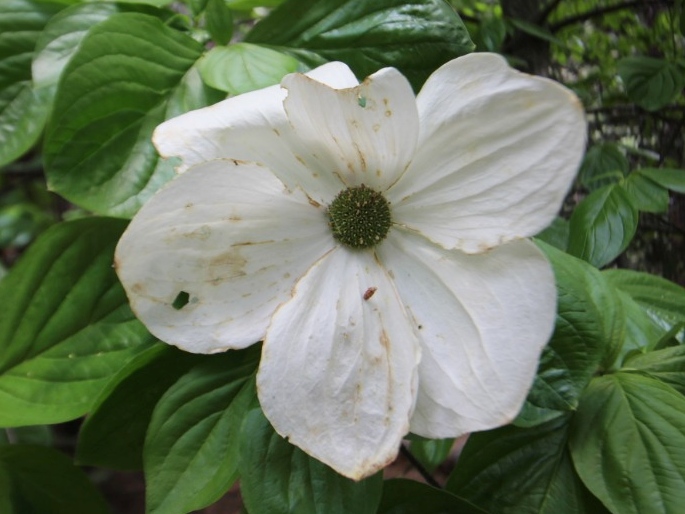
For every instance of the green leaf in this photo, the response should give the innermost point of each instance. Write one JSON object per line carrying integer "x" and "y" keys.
{"x": 556, "y": 234}
{"x": 651, "y": 83}
{"x": 23, "y": 111}
{"x": 251, "y": 4}
{"x": 244, "y": 67}
{"x": 430, "y": 452}
{"x": 582, "y": 336}
{"x": 415, "y": 37}
{"x": 37, "y": 480}
{"x": 645, "y": 194}
{"x": 667, "y": 365}
{"x": 628, "y": 444}
{"x": 536, "y": 31}
{"x": 402, "y": 496}
{"x": 514, "y": 470}
{"x": 113, "y": 434}
{"x": 602, "y": 165}
{"x": 642, "y": 332}
{"x": 278, "y": 478}
{"x": 115, "y": 90}
{"x": 673, "y": 179}
{"x": 602, "y": 226}
{"x": 191, "y": 447}
{"x": 68, "y": 328}
{"x": 663, "y": 300}
{"x": 39, "y": 435}
{"x": 219, "y": 21}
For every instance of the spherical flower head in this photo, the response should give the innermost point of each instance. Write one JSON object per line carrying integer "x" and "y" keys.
{"x": 376, "y": 241}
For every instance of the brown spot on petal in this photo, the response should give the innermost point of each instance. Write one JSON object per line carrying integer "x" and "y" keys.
{"x": 388, "y": 113}
{"x": 376, "y": 127}
{"x": 228, "y": 265}
{"x": 385, "y": 342}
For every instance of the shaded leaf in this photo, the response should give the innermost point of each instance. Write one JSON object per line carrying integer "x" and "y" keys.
{"x": 278, "y": 478}
{"x": 113, "y": 434}
{"x": 402, "y": 496}
{"x": 603, "y": 164}
{"x": 514, "y": 470}
{"x": 37, "y": 480}
{"x": 645, "y": 194}
{"x": 673, "y": 179}
{"x": 651, "y": 83}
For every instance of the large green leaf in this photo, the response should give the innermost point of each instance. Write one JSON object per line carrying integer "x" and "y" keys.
{"x": 579, "y": 342}
{"x": 515, "y": 470}
{"x": 663, "y": 300}
{"x": 244, "y": 67}
{"x": 68, "y": 327}
{"x": 39, "y": 480}
{"x": 651, "y": 83}
{"x": 667, "y": 365}
{"x": 278, "y": 478}
{"x": 628, "y": 444}
{"x": 402, "y": 496}
{"x": 415, "y": 37}
{"x": 113, "y": 435}
{"x": 191, "y": 447}
{"x": 120, "y": 84}
{"x": 602, "y": 225}
{"x": 22, "y": 110}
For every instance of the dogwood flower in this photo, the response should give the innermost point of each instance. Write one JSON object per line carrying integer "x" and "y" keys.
{"x": 373, "y": 239}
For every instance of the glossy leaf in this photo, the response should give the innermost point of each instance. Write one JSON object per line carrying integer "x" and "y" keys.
{"x": 556, "y": 234}
{"x": 641, "y": 331}
{"x": 663, "y": 300}
{"x": 628, "y": 444}
{"x": 514, "y": 470}
{"x": 191, "y": 447}
{"x": 113, "y": 434}
{"x": 36, "y": 480}
{"x": 244, "y": 67}
{"x": 278, "y": 478}
{"x": 602, "y": 226}
{"x": 68, "y": 328}
{"x": 651, "y": 83}
{"x": 117, "y": 87}
{"x": 645, "y": 194}
{"x": 666, "y": 365}
{"x": 402, "y": 496}
{"x": 23, "y": 110}
{"x": 415, "y": 37}
{"x": 579, "y": 342}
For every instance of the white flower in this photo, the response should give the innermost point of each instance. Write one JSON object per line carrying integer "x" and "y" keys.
{"x": 435, "y": 326}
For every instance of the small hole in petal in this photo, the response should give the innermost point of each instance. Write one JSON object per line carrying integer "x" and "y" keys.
{"x": 181, "y": 300}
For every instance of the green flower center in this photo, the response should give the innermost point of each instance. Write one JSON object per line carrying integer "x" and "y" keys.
{"x": 359, "y": 217}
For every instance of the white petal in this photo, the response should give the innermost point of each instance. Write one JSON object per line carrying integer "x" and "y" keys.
{"x": 338, "y": 372}
{"x": 483, "y": 321}
{"x": 364, "y": 135}
{"x": 230, "y": 236}
{"x": 252, "y": 127}
{"x": 497, "y": 152}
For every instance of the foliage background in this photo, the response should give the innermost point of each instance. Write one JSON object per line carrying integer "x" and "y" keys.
{"x": 603, "y": 429}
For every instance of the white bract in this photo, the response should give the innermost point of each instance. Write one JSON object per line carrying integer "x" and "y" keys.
{"x": 434, "y": 327}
